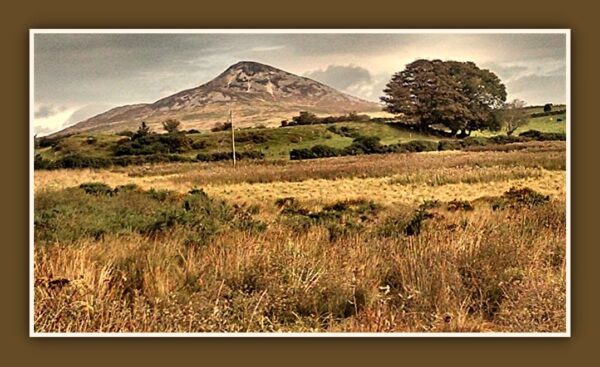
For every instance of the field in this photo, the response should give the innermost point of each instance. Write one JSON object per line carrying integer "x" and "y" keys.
{"x": 424, "y": 242}
{"x": 276, "y": 143}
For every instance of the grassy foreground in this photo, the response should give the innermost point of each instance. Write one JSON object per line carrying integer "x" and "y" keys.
{"x": 421, "y": 242}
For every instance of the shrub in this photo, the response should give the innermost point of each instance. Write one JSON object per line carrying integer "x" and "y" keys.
{"x": 305, "y": 118}
{"x": 450, "y": 145}
{"x": 252, "y": 136}
{"x": 365, "y": 145}
{"x": 420, "y": 146}
{"x": 99, "y": 210}
{"x": 317, "y": 151}
{"x": 225, "y": 156}
{"x": 415, "y": 224}
{"x": 541, "y": 136}
{"x": 79, "y": 161}
{"x": 346, "y": 131}
{"x": 456, "y": 205}
{"x": 45, "y": 141}
{"x": 525, "y": 197}
{"x": 200, "y": 144}
{"x": 96, "y": 188}
{"x": 154, "y": 144}
{"x": 475, "y": 141}
{"x": 507, "y": 139}
{"x": 221, "y": 126}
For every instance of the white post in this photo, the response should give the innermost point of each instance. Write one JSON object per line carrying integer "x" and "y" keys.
{"x": 232, "y": 135}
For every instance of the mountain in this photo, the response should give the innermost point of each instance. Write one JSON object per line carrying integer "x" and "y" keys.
{"x": 257, "y": 93}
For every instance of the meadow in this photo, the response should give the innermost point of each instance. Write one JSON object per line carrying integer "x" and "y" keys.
{"x": 445, "y": 241}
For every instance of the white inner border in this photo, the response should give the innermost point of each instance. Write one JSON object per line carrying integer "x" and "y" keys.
{"x": 566, "y": 32}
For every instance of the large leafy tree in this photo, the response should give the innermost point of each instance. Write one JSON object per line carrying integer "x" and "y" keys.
{"x": 457, "y": 95}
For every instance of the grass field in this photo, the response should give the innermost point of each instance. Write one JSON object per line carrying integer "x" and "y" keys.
{"x": 276, "y": 143}
{"x": 424, "y": 242}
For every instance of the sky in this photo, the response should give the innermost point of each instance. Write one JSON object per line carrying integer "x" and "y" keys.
{"x": 77, "y": 76}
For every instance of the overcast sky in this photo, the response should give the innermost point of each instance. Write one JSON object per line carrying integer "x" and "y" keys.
{"x": 80, "y": 75}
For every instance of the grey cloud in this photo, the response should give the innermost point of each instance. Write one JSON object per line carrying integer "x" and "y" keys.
{"x": 48, "y": 110}
{"x": 536, "y": 89}
{"x": 353, "y": 79}
{"x": 340, "y": 76}
{"x": 85, "y": 113}
{"x": 505, "y": 72}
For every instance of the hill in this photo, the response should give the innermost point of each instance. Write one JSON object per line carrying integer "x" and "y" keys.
{"x": 257, "y": 93}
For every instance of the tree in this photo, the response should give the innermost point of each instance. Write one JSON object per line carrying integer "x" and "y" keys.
{"x": 171, "y": 126}
{"x": 514, "y": 116}
{"x": 142, "y": 131}
{"x": 305, "y": 118}
{"x": 548, "y": 107}
{"x": 457, "y": 95}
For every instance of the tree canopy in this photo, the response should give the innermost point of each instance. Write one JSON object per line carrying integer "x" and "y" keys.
{"x": 457, "y": 95}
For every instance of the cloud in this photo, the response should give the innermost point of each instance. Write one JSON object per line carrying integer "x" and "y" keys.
{"x": 50, "y": 120}
{"x": 86, "y": 112}
{"x": 538, "y": 89}
{"x": 47, "y": 110}
{"x": 266, "y": 48}
{"x": 352, "y": 79}
{"x": 340, "y": 76}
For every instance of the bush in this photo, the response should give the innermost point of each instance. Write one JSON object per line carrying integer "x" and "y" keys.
{"x": 507, "y": 139}
{"x": 221, "y": 126}
{"x": 45, "y": 142}
{"x": 519, "y": 198}
{"x": 456, "y": 205}
{"x": 346, "y": 131}
{"x": 96, "y": 188}
{"x": 154, "y": 144}
{"x": 98, "y": 211}
{"x": 450, "y": 145}
{"x": 78, "y": 161}
{"x": 475, "y": 141}
{"x": 541, "y": 136}
{"x": 252, "y": 136}
{"x": 317, "y": 151}
{"x": 365, "y": 145}
{"x": 420, "y": 146}
{"x": 414, "y": 226}
{"x": 225, "y": 156}
{"x": 200, "y": 144}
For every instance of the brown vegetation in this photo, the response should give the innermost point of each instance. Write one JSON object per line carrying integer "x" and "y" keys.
{"x": 432, "y": 242}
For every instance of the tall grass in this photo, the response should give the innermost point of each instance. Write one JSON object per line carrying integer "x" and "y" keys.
{"x": 479, "y": 270}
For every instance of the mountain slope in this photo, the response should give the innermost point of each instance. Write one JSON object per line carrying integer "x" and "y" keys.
{"x": 257, "y": 93}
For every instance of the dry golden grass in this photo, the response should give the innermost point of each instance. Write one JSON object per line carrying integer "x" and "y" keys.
{"x": 494, "y": 271}
{"x": 463, "y": 175}
{"x": 481, "y": 270}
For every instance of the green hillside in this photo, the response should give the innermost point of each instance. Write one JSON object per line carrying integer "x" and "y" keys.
{"x": 273, "y": 143}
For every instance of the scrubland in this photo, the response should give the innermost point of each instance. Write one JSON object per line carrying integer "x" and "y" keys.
{"x": 419, "y": 242}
